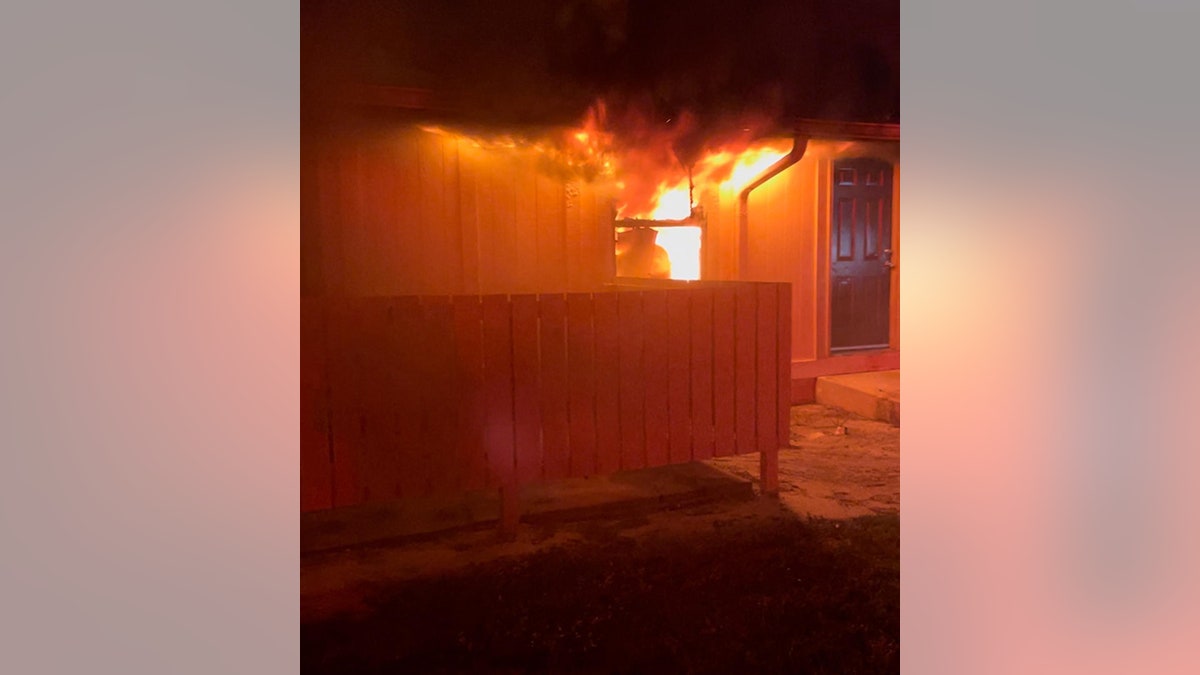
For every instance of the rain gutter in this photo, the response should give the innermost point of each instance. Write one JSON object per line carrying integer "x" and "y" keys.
{"x": 799, "y": 145}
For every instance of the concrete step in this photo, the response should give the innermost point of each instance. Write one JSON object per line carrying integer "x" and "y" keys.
{"x": 874, "y": 395}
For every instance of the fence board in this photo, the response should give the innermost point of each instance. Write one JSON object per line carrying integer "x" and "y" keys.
{"x": 343, "y": 353}
{"x": 553, "y": 344}
{"x": 702, "y": 373}
{"x": 581, "y": 384}
{"x": 765, "y": 403}
{"x": 498, "y": 385}
{"x": 655, "y": 375}
{"x": 472, "y": 421}
{"x": 679, "y": 392}
{"x": 746, "y": 333}
{"x": 632, "y": 401}
{"x": 783, "y": 367}
{"x": 724, "y": 365}
{"x": 608, "y": 383}
{"x": 370, "y": 427}
{"x": 444, "y": 394}
{"x": 401, "y": 454}
{"x": 316, "y": 461}
{"x": 767, "y": 362}
{"x": 526, "y": 405}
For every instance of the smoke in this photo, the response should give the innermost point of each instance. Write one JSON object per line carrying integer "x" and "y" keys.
{"x": 650, "y": 149}
{"x": 544, "y": 61}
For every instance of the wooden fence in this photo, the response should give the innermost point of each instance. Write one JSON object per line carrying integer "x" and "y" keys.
{"x": 405, "y": 397}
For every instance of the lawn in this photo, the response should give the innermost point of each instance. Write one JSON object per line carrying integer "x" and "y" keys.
{"x": 772, "y": 593}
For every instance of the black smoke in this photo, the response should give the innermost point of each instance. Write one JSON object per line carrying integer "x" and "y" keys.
{"x": 539, "y": 61}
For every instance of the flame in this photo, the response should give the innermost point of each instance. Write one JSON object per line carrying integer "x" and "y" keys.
{"x": 753, "y": 163}
{"x": 580, "y": 152}
{"x": 649, "y": 181}
{"x": 672, "y": 202}
{"x": 588, "y": 150}
{"x": 682, "y": 244}
{"x": 723, "y": 169}
{"x": 666, "y": 252}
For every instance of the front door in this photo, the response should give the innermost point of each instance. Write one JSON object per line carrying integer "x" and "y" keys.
{"x": 860, "y": 240}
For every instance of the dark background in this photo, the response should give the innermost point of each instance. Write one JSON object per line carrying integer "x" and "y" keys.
{"x": 544, "y": 61}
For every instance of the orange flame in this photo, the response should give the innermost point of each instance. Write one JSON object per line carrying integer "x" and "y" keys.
{"x": 719, "y": 170}
{"x": 682, "y": 244}
{"x": 649, "y": 181}
{"x": 580, "y": 152}
{"x": 671, "y": 202}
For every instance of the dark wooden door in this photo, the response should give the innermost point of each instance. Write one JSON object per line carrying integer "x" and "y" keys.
{"x": 860, "y": 241}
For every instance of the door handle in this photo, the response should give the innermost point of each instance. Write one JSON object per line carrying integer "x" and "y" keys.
{"x": 887, "y": 258}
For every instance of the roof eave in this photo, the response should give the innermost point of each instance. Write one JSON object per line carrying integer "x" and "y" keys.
{"x": 852, "y": 131}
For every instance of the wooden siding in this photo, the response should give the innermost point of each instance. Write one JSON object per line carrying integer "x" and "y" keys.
{"x": 401, "y": 211}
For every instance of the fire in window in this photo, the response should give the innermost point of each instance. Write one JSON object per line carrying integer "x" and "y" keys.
{"x": 660, "y": 249}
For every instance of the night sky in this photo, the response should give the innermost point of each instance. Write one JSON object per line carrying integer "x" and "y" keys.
{"x": 545, "y": 62}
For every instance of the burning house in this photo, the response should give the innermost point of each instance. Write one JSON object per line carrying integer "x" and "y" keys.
{"x": 486, "y": 305}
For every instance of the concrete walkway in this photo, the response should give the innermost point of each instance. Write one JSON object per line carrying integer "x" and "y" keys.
{"x": 874, "y": 395}
{"x": 838, "y": 465}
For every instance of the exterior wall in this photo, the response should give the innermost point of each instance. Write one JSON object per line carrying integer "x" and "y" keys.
{"x": 389, "y": 209}
{"x": 789, "y": 219}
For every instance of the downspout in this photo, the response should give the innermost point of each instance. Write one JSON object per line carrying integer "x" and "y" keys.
{"x": 799, "y": 145}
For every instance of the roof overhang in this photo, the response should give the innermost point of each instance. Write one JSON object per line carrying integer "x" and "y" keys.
{"x": 847, "y": 131}
{"x": 428, "y": 101}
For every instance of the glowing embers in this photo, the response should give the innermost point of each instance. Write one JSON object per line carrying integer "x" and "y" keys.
{"x": 649, "y": 251}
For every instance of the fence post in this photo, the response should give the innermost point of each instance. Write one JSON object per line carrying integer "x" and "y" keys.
{"x": 510, "y": 509}
{"x": 768, "y": 469}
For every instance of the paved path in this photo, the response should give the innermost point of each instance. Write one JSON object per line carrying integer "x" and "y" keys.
{"x": 829, "y": 473}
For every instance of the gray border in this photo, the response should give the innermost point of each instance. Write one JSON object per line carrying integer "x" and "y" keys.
{"x": 148, "y": 284}
{"x": 1050, "y": 149}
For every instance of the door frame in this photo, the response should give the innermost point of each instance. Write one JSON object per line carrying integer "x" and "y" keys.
{"x": 887, "y": 152}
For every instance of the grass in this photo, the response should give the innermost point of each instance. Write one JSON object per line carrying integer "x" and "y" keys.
{"x": 751, "y": 595}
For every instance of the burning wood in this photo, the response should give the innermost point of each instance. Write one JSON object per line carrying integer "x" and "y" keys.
{"x": 671, "y": 198}
{"x": 660, "y": 176}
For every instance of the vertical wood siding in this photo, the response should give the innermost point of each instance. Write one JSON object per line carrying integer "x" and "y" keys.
{"x": 401, "y": 211}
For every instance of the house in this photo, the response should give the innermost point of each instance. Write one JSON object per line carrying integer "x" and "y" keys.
{"x": 390, "y": 208}
{"x": 464, "y": 325}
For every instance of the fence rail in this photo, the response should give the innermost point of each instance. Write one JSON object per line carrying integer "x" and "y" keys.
{"x": 405, "y": 397}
